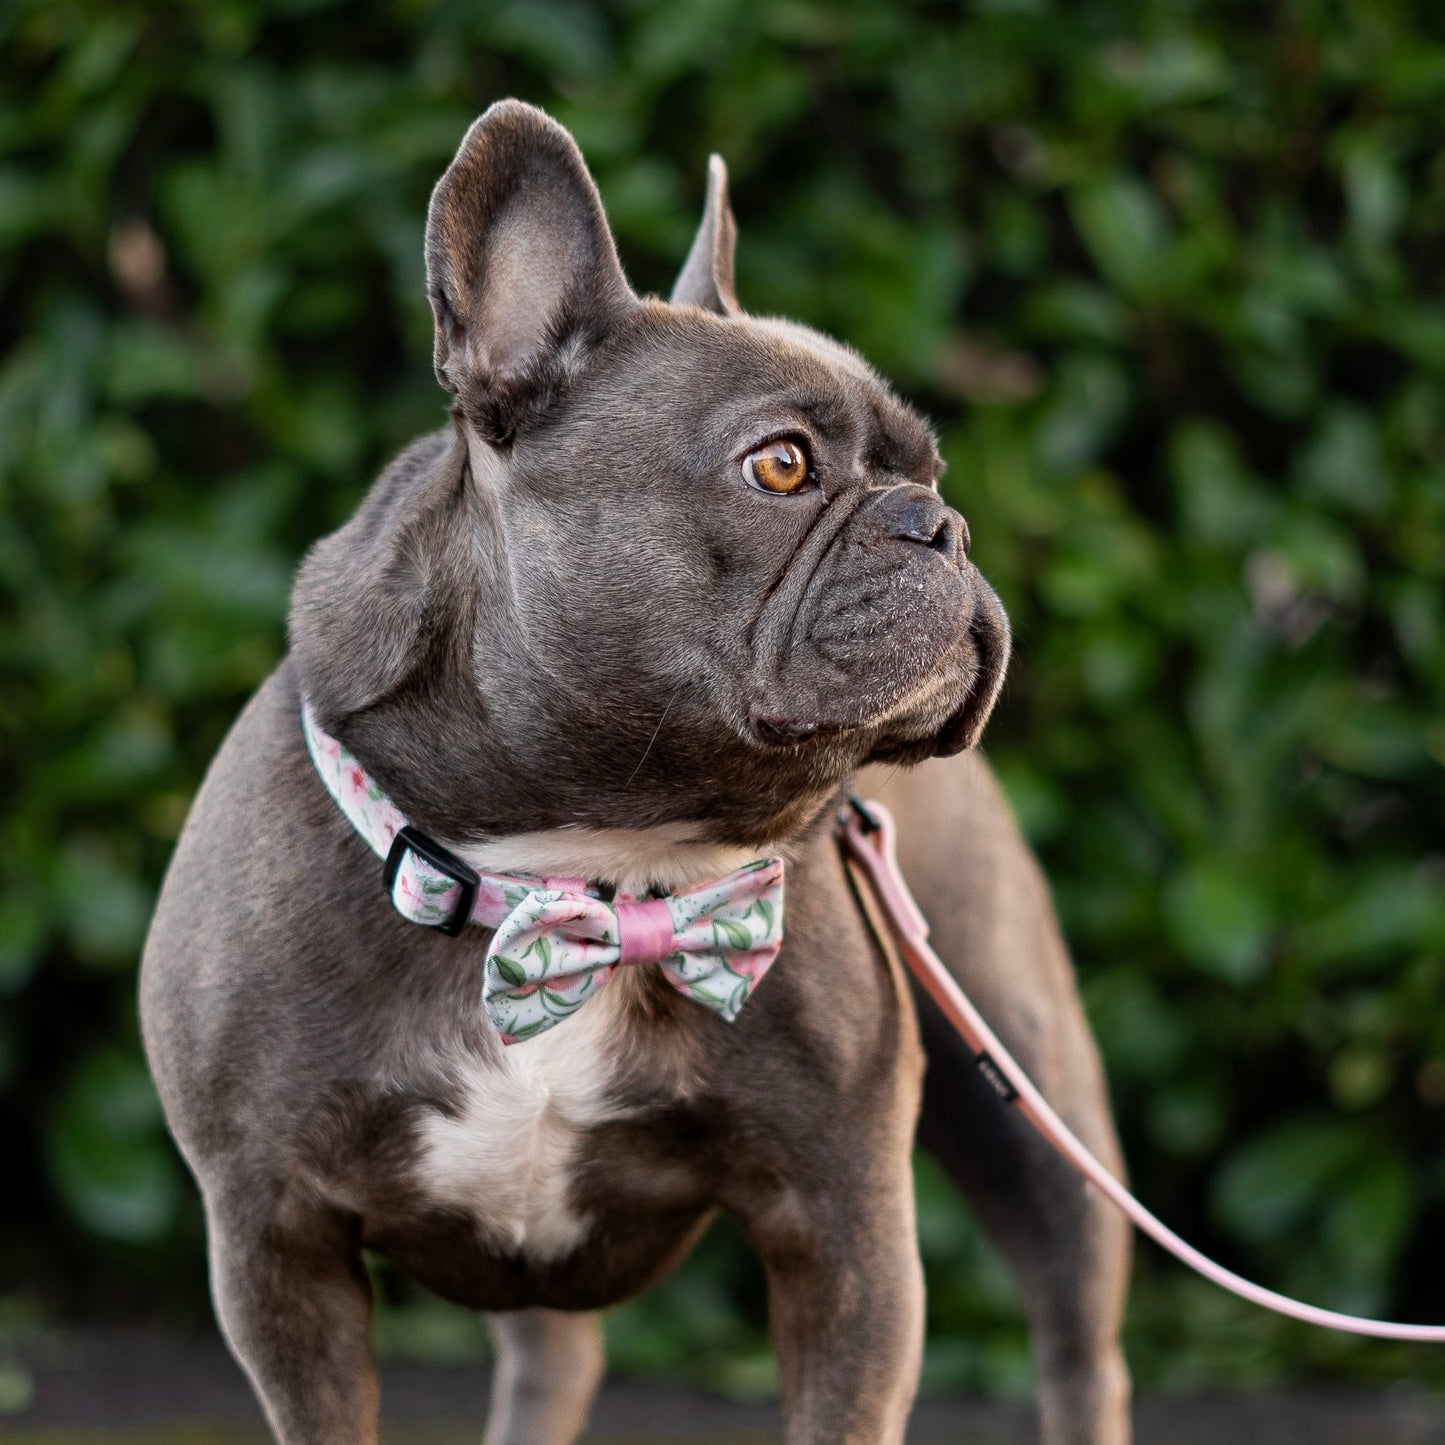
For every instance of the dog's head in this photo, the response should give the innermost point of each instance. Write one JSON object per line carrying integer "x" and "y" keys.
{"x": 680, "y": 565}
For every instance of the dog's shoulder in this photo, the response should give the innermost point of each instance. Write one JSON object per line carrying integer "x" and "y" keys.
{"x": 363, "y": 593}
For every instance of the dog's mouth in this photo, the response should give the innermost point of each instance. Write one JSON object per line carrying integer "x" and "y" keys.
{"x": 990, "y": 637}
{"x": 961, "y": 693}
{"x": 906, "y": 716}
{"x": 783, "y": 732}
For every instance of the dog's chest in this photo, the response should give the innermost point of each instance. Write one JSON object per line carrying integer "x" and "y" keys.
{"x": 507, "y": 1154}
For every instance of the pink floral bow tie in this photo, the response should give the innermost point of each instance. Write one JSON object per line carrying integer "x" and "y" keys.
{"x": 558, "y": 947}
{"x": 556, "y": 941}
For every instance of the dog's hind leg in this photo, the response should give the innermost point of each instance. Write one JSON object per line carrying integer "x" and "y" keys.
{"x": 549, "y": 1365}
{"x": 294, "y": 1303}
{"x": 1068, "y": 1246}
{"x": 993, "y": 923}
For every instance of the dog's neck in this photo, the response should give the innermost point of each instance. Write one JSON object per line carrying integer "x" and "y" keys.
{"x": 669, "y": 856}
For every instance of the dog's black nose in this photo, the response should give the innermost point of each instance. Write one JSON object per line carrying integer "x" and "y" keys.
{"x": 916, "y": 514}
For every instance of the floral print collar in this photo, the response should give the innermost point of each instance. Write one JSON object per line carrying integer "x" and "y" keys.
{"x": 556, "y": 941}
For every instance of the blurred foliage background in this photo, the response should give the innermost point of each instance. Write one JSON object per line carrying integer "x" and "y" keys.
{"x": 1167, "y": 276}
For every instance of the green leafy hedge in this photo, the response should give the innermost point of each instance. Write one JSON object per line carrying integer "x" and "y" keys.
{"x": 1168, "y": 277}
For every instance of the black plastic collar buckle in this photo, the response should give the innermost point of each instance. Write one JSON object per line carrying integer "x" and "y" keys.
{"x": 413, "y": 840}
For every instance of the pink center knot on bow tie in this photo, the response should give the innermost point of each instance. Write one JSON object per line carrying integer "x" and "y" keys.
{"x": 644, "y": 930}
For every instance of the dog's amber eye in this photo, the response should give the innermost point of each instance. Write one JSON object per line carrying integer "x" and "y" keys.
{"x": 780, "y": 466}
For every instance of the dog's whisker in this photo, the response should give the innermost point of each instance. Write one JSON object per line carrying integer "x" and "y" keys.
{"x": 648, "y": 749}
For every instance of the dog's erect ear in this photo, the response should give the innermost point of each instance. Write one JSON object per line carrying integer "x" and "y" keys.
{"x": 522, "y": 272}
{"x": 706, "y": 279}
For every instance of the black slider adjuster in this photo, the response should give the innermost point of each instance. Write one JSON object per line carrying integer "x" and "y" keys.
{"x": 413, "y": 840}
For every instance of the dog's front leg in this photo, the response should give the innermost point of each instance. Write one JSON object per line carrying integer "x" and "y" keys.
{"x": 845, "y": 1305}
{"x": 294, "y": 1302}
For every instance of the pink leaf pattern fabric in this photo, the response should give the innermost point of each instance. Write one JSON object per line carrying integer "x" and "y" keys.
{"x": 556, "y": 943}
{"x": 421, "y": 893}
{"x": 558, "y": 947}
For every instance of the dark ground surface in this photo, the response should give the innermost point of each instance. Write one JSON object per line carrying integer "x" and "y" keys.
{"x": 143, "y": 1391}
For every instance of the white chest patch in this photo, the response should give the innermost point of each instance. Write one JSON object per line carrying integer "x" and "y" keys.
{"x": 507, "y": 1157}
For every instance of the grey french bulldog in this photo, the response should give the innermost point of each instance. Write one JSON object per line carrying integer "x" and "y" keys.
{"x": 639, "y": 615}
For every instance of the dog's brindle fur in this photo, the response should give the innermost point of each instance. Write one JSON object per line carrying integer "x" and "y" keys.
{"x": 567, "y": 629}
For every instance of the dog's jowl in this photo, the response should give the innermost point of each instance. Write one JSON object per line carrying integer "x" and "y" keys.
{"x": 507, "y": 937}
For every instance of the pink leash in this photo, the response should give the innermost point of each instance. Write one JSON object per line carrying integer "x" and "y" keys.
{"x": 869, "y": 839}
